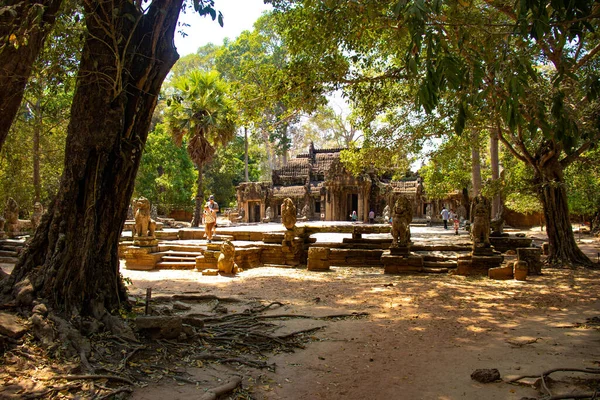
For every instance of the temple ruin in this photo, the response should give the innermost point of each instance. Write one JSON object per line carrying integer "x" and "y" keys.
{"x": 324, "y": 190}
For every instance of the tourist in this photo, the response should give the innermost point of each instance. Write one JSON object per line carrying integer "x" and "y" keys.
{"x": 210, "y": 219}
{"x": 214, "y": 206}
{"x": 354, "y": 217}
{"x": 456, "y": 224}
{"x": 371, "y": 217}
{"x": 445, "y": 216}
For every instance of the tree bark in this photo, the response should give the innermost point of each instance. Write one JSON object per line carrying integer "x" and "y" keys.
{"x": 37, "y": 186}
{"x": 246, "y": 154}
{"x": 495, "y": 164}
{"x": 72, "y": 260}
{"x": 198, "y": 209}
{"x": 19, "y": 52}
{"x": 552, "y": 192}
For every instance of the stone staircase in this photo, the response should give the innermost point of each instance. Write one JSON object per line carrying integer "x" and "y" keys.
{"x": 10, "y": 250}
{"x": 172, "y": 259}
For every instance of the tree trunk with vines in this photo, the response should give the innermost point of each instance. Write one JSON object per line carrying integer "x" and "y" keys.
{"x": 72, "y": 261}
{"x": 199, "y": 201}
{"x": 22, "y": 36}
{"x": 553, "y": 195}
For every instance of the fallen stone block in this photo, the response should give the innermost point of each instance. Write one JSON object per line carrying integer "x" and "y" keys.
{"x": 159, "y": 327}
{"x": 11, "y": 326}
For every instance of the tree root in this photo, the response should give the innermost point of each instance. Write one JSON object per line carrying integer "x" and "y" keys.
{"x": 224, "y": 360}
{"x": 191, "y": 297}
{"x": 545, "y": 374}
{"x": 93, "y": 377}
{"x": 214, "y": 393}
{"x": 123, "y": 389}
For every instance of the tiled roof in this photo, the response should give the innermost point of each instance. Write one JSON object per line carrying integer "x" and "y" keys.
{"x": 323, "y": 161}
{"x": 295, "y": 167}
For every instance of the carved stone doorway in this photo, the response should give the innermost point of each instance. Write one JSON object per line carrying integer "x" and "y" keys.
{"x": 254, "y": 211}
{"x": 352, "y": 204}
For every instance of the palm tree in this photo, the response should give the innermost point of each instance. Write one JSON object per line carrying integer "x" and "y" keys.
{"x": 202, "y": 111}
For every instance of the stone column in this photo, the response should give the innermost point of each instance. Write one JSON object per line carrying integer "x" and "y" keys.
{"x": 361, "y": 207}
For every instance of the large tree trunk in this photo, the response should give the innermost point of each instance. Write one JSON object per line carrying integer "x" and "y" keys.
{"x": 22, "y": 36}
{"x": 198, "y": 209}
{"x": 72, "y": 260}
{"x": 37, "y": 127}
{"x": 495, "y": 164}
{"x": 246, "y": 154}
{"x": 552, "y": 192}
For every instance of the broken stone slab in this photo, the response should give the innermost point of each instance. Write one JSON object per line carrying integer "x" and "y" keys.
{"x": 486, "y": 375}
{"x": 11, "y": 326}
{"x": 178, "y": 305}
{"x": 160, "y": 327}
{"x": 501, "y": 273}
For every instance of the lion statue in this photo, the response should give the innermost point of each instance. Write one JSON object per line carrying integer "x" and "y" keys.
{"x": 144, "y": 225}
{"x": 401, "y": 219}
{"x": 226, "y": 263}
{"x": 11, "y": 214}
{"x": 36, "y": 216}
{"x": 480, "y": 229}
{"x": 288, "y": 213}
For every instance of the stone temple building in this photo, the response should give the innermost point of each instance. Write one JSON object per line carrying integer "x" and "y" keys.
{"x": 322, "y": 189}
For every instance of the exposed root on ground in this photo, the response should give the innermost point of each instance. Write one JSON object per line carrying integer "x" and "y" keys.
{"x": 44, "y": 362}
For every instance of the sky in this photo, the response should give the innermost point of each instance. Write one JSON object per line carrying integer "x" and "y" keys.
{"x": 238, "y": 16}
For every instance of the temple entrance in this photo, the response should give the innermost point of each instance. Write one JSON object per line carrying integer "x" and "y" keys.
{"x": 352, "y": 204}
{"x": 254, "y": 211}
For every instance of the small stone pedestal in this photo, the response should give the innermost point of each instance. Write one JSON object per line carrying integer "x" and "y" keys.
{"x": 399, "y": 260}
{"x": 318, "y": 259}
{"x": 532, "y": 255}
{"x": 482, "y": 259}
{"x": 141, "y": 258}
{"x": 145, "y": 241}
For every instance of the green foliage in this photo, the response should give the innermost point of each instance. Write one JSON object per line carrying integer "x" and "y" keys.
{"x": 448, "y": 168}
{"x": 166, "y": 175}
{"x": 583, "y": 180}
{"x": 519, "y": 190}
{"x": 226, "y": 171}
{"x": 45, "y": 110}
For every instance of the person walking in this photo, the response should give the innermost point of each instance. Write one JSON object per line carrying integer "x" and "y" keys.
{"x": 354, "y": 217}
{"x": 210, "y": 219}
{"x": 445, "y": 216}
{"x": 214, "y": 206}
{"x": 371, "y": 217}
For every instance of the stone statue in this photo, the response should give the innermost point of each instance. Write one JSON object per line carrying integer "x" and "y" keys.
{"x": 130, "y": 215}
{"x": 386, "y": 213}
{"x": 144, "y": 225}
{"x": 11, "y": 214}
{"x": 268, "y": 215}
{"x": 480, "y": 230}
{"x": 401, "y": 220}
{"x": 497, "y": 224}
{"x": 305, "y": 211}
{"x": 36, "y": 216}
{"x": 226, "y": 263}
{"x": 288, "y": 214}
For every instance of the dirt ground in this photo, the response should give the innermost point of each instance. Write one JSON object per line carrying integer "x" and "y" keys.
{"x": 423, "y": 337}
